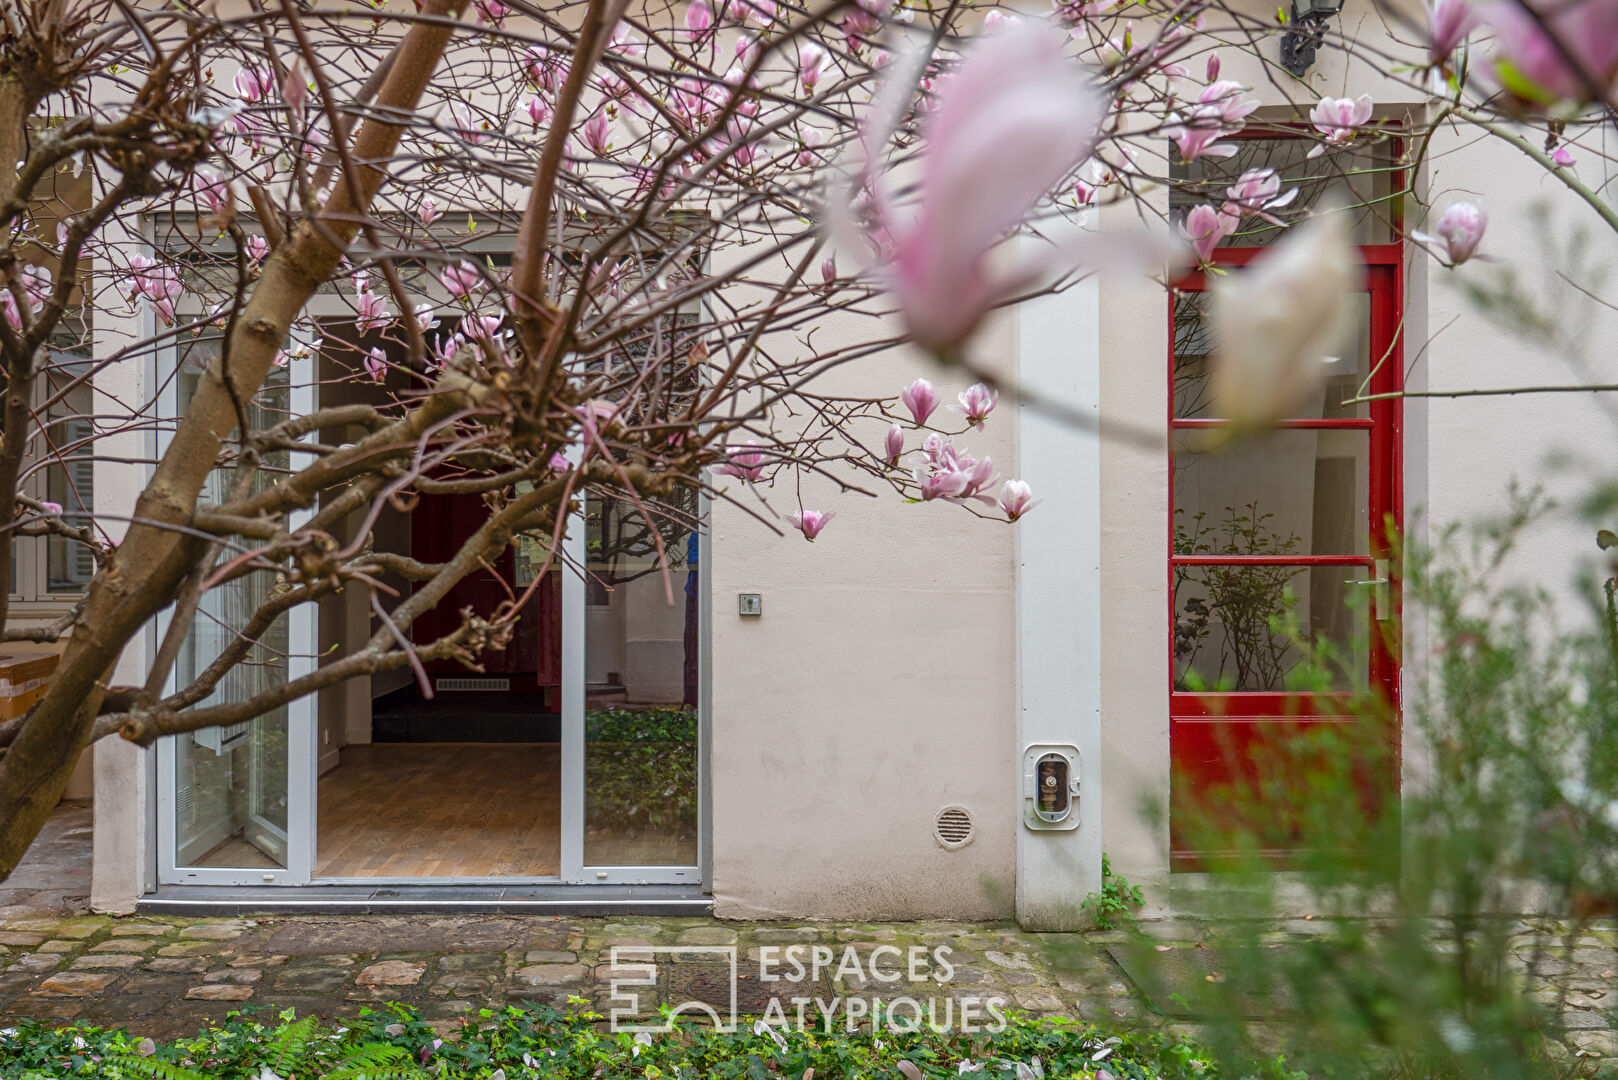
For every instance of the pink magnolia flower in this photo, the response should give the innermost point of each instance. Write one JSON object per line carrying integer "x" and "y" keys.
{"x": 53, "y": 508}
{"x": 1017, "y": 499}
{"x": 485, "y": 327}
{"x": 372, "y": 311}
{"x": 492, "y": 12}
{"x": 921, "y": 399}
{"x": 811, "y": 65}
{"x": 1555, "y": 51}
{"x": 539, "y": 110}
{"x": 1084, "y": 193}
{"x": 294, "y": 90}
{"x": 976, "y": 403}
{"x": 257, "y": 248}
{"x": 1562, "y": 157}
{"x": 759, "y": 12}
{"x": 211, "y": 189}
{"x": 1276, "y": 321}
{"x": 1460, "y": 231}
{"x": 1014, "y": 119}
{"x": 36, "y": 283}
{"x": 810, "y": 522}
{"x": 624, "y": 43}
{"x": 280, "y": 359}
{"x": 1205, "y": 227}
{"x": 1213, "y": 67}
{"x": 858, "y": 25}
{"x": 140, "y": 269}
{"x": 376, "y": 364}
{"x": 998, "y": 22}
{"x": 464, "y": 124}
{"x": 1255, "y": 192}
{"x": 596, "y": 415}
{"x": 893, "y": 445}
{"x": 558, "y": 463}
{"x": 1339, "y": 119}
{"x": 1448, "y": 23}
{"x": 746, "y": 465}
{"x": 1220, "y": 110}
{"x": 952, "y": 474}
{"x": 428, "y": 211}
{"x": 597, "y": 134}
{"x": 460, "y": 279}
{"x": 8, "y": 309}
{"x": 828, "y": 269}
{"x": 698, "y": 19}
{"x": 254, "y": 84}
{"x": 425, "y": 316}
{"x": 542, "y": 68}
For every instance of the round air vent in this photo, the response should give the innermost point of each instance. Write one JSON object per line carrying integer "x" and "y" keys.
{"x": 953, "y": 827}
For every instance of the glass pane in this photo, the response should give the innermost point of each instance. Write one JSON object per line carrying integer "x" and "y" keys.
{"x": 70, "y": 483}
{"x": 1231, "y": 625}
{"x": 231, "y": 797}
{"x": 642, "y": 676}
{"x": 1287, "y": 493}
{"x": 1194, "y": 347}
{"x": 1362, "y": 178}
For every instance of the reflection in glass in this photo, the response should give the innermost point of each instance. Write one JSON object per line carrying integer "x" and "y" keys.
{"x": 231, "y": 782}
{"x": 642, "y": 677}
{"x": 1345, "y": 374}
{"x": 1231, "y": 624}
{"x": 1363, "y": 179}
{"x": 1290, "y": 492}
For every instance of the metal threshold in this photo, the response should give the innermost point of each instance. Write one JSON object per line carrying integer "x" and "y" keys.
{"x": 575, "y": 900}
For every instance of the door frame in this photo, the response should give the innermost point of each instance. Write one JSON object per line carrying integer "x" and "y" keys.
{"x": 1383, "y": 267}
{"x": 574, "y": 869}
{"x": 302, "y": 728}
{"x": 303, "y": 714}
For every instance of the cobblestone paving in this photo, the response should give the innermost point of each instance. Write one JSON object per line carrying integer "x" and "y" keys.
{"x": 168, "y": 977}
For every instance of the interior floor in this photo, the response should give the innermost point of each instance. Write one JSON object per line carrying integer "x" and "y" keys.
{"x": 441, "y": 810}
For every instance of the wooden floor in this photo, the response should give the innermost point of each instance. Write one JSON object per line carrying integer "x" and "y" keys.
{"x": 441, "y": 810}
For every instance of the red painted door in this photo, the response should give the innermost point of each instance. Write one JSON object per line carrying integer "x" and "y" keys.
{"x": 1272, "y": 540}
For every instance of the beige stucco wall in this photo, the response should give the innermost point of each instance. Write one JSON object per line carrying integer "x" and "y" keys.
{"x": 877, "y": 688}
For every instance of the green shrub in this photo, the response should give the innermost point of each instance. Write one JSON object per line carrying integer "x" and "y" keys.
{"x": 539, "y": 1042}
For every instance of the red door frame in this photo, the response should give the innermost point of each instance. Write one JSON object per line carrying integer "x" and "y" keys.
{"x": 1205, "y": 727}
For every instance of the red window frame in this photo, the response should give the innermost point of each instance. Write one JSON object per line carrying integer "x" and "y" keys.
{"x": 1213, "y": 735}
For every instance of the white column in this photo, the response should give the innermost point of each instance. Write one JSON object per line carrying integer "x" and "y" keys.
{"x": 123, "y": 860}
{"x": 1058, "y": 592}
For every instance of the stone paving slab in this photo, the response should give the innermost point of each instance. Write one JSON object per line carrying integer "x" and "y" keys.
{"x": 167, "y": 977}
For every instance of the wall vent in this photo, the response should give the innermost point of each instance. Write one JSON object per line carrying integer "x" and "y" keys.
{"x": 497, "y": 686}
{"x": 182, "y": 800}
{"x": 953, "y": 828}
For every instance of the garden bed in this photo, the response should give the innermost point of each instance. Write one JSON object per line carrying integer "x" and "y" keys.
{"x": 393, "y": 1042}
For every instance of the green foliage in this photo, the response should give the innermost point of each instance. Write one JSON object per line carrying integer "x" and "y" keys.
{"x": 540, "y": 1043}
{"x": 1494, "y": 866}
{"x": 1117, "y": 900}
{"x": 641, "y": 769}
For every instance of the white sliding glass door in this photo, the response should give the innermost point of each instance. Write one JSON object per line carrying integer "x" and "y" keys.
{"x": 236, "y": 803}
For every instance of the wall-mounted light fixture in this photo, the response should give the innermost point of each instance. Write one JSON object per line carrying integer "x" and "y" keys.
{"x": 1298, "y": 44}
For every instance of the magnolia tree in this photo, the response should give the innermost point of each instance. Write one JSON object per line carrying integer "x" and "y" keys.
{"x": 530, "y": 253}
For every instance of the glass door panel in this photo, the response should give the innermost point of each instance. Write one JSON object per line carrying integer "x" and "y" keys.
{"x": 1280, "y": 550}
{"x": 235, "y": 802}
{"x": 642, "y": 673}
